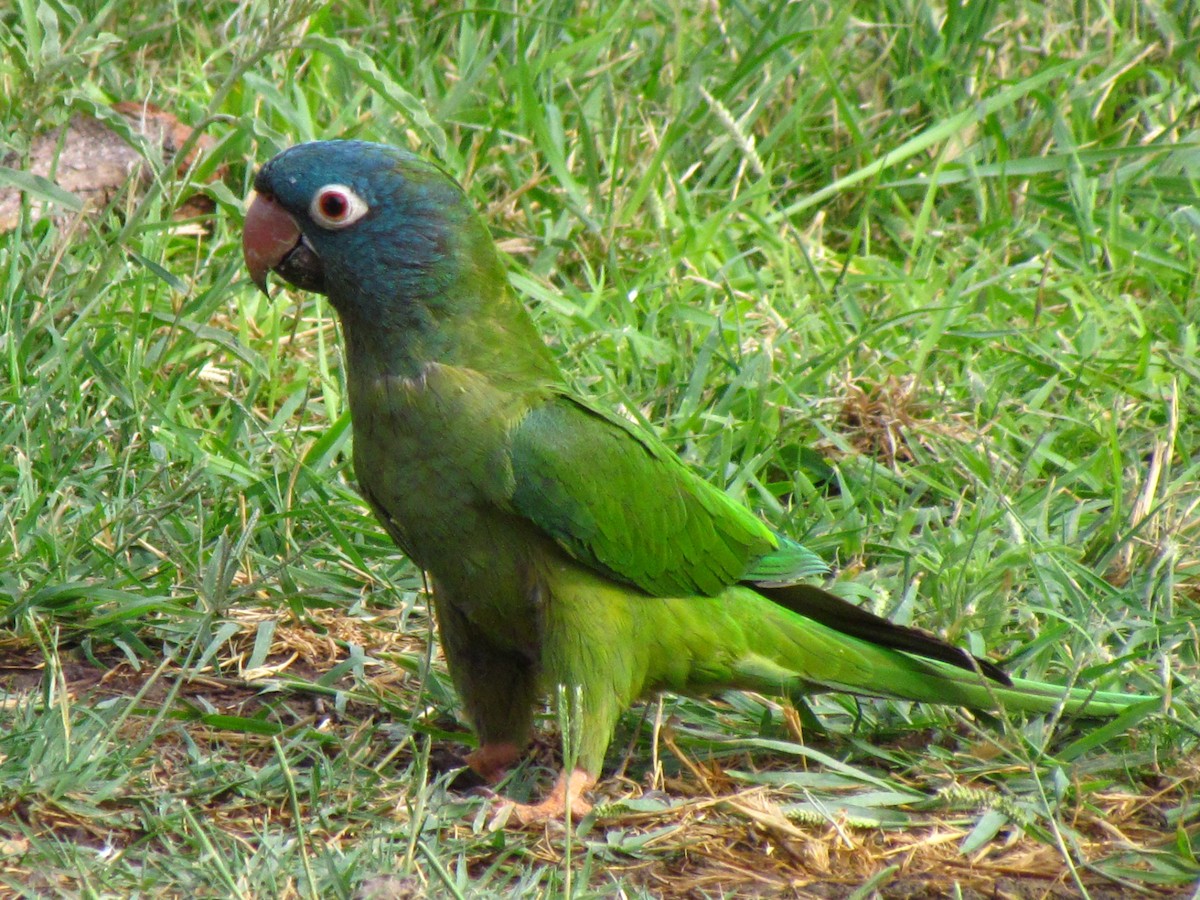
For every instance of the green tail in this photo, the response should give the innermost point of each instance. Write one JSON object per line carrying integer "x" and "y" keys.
{"x": 939, "y": 683}
{"x": 793, "y": 653}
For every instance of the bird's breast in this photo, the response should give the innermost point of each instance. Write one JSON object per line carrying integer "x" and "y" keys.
{"x": 431, "y": 453}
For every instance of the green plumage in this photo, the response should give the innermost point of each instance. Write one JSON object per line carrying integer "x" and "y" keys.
{"x": 565, "y": 545}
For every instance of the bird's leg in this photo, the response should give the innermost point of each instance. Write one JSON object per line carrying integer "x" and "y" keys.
{"x": 568, "y": 789}
{"x": 491, "y": 761}
{"x": 497, "y": 687}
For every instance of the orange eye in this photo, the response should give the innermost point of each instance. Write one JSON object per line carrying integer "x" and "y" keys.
{"x": 336, "y": 206}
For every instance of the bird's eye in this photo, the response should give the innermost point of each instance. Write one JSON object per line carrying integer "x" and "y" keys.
{"x": 336, "y": 206}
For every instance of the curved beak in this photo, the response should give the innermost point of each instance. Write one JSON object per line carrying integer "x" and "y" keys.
{"x": 268, "y": 236}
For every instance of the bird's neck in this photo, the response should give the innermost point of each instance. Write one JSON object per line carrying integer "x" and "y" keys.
{"x": 433, "y": 291}
{"x": 469, "y": 323}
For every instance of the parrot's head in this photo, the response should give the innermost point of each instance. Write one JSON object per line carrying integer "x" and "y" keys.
{"x": 366, "y": 224}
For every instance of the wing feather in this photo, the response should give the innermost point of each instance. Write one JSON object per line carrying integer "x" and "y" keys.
{"x": 620, "y": 501}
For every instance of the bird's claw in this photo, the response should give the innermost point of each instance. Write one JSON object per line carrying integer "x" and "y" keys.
{"x": 567, "y": 791}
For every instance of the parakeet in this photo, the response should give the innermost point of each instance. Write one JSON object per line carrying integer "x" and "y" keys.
{"x": 565, "y": 545}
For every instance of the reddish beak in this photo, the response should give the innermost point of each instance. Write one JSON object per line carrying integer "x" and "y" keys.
{"x": 267, "y": 237}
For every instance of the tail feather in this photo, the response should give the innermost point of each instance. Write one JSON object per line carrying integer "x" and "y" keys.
{"x": 846, "y": 618}
{"x": 933, "y": 682}
{"x": 804, "y": 652}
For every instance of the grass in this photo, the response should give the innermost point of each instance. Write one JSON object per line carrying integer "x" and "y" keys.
{"x": 918, "y": 283}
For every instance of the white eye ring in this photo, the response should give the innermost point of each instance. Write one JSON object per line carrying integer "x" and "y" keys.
{"x": 335, "y": 206}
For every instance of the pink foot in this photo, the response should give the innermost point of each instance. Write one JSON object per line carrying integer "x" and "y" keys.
{"x": 554, "y": 807}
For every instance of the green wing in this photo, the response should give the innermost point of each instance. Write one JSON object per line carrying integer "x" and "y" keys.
{"x": 620, "y": 501}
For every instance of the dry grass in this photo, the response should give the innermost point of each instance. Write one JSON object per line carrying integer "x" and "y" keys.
{"x": 715, "y": 836}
